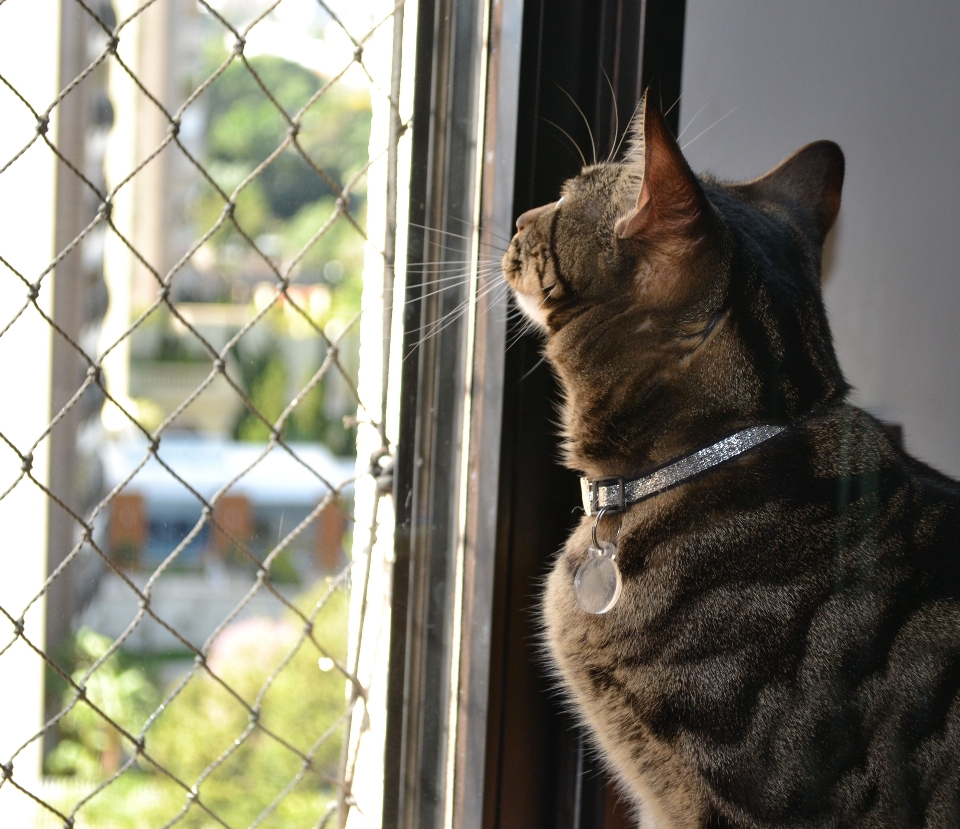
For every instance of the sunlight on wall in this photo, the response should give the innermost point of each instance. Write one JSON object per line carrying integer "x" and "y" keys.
{"x": 118, "y": 259}
{"x": 374, "y": 563}
{"x": 27, "y": 218}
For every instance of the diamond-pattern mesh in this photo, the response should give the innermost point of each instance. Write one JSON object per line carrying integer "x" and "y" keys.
{"x": 204, "y": 308}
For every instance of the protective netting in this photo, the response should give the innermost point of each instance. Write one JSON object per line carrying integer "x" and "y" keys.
{"x": 221, "y": 211}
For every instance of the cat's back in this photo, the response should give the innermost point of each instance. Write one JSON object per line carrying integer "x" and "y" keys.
{"x": 869, "y": 725}
{"x": 880, "y": 505}
{"x": 799, "y": 604}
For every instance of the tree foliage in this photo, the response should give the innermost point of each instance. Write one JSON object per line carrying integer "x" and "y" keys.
{"x": 245, "y": 128}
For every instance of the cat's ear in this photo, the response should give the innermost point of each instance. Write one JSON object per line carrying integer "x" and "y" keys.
{"x": 811, "y": 178}
{"x": 670, "y": 201}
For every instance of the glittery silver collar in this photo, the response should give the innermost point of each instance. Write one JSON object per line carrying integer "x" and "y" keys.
{"x": 616, "y": 494}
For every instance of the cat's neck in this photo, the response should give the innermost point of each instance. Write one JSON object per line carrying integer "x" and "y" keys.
{"x": 644, "y": 389}
{"x": 634, "y": 447}
{"x": 650, "y": 399}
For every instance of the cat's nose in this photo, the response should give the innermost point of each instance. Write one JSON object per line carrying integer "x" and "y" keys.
{"x": 530, "y": 216}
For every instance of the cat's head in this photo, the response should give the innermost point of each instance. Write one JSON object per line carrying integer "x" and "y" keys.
{"x": 678, "y": 308}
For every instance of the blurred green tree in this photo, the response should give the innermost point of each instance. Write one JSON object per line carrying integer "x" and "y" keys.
{"x": 292, "y": 197}
{"x": 205, "y": 736}
{"x": 90, "y": 747}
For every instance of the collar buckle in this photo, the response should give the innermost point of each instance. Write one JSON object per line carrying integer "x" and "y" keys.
{"x": 610, "y": 489}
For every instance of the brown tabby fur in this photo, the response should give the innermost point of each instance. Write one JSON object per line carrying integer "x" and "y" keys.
{"x": 786, "y": 648}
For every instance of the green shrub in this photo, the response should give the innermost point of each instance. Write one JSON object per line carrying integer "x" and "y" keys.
{"x": 297, "y": 703}
{"x": 89, "y": 745}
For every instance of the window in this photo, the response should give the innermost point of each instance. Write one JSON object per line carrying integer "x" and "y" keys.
{"x": 193, "y": 196}
{"x": 199, "y": 220}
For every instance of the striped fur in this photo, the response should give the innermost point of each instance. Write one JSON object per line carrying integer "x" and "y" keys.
{"x": 786, "y": 649}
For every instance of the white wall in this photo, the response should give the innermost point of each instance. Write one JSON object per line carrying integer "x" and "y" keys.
{"x": 29, "y": 60}
{"x": 882, "y": 79}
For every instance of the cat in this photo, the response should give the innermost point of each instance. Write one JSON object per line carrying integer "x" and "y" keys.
{"x": 781, "y": 644}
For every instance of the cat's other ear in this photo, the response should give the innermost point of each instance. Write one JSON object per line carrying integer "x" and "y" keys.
{"x": 811, "y": 178}
{"x": 670, "y": 203}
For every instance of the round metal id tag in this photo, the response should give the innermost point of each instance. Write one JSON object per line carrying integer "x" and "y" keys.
{"x": 597, "y": 584}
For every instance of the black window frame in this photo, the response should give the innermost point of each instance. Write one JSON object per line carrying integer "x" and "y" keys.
{"x": 475, "y": 535}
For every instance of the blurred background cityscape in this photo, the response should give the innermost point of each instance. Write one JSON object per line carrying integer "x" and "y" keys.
{"x": 217, "y": 288}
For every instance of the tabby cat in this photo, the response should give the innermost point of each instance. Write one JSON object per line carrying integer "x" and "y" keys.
{"x": 784, "y": 648}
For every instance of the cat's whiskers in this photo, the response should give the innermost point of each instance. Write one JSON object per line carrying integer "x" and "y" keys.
{"x": 586, "y": 121}
{"x": 583, "y": 160}
{"x": 462, "y": 268}
{"x": 673, "y": 106}
{"x": 490, "y": 286}
{"x": 448, "y": 319}
{"x": 457, "y": 274}
{"x": 616, "y": 116}
{"x": 490, "y": 253}
{"x": 532, "y": 368}
{"x": 522, "y": 329}
{"x": 440, "y": 274}
{"x": 431, "y": 329}
{"x": 690, "y": 122}
{"x": 445, "y": 273}
{"x": 491, "y": 231}
{"x": 466, "y": 237}
{"x": 460, "y": 280}
{"x": 525, "y": 326}
{"x": 710, "y": 127}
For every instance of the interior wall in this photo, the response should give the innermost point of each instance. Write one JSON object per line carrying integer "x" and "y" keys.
{"x": 881, "y": 78}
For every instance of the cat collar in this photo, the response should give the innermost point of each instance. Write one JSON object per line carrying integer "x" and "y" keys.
{"x": 614, "y": 494}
